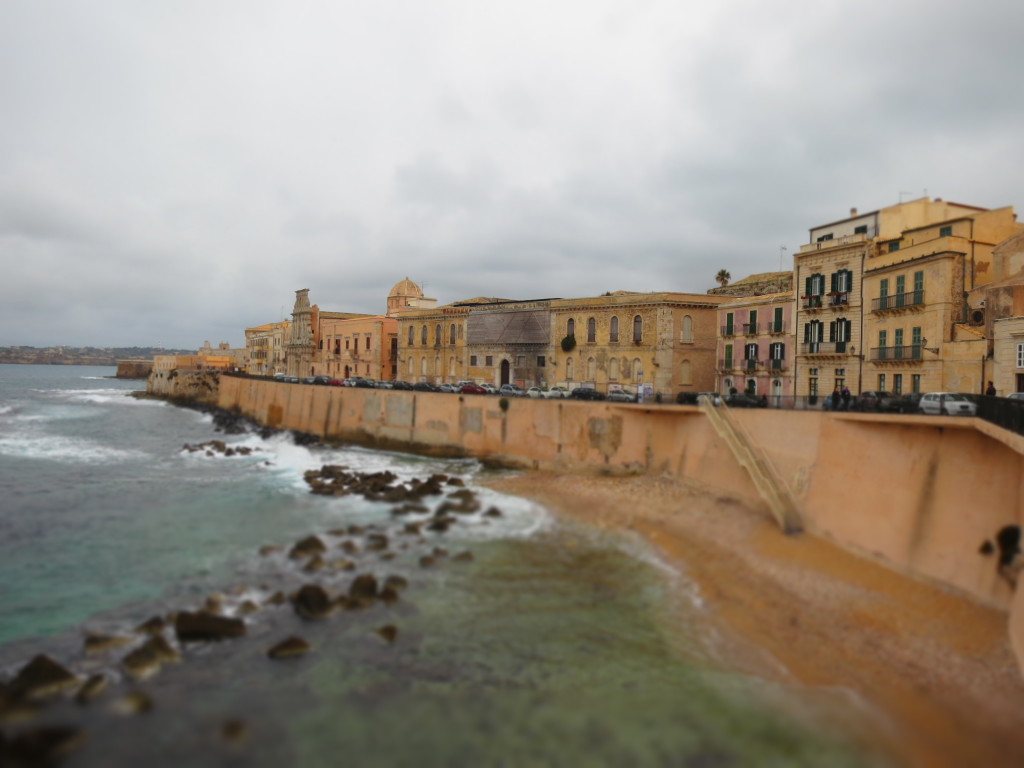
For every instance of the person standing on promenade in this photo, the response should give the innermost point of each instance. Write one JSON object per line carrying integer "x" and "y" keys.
{"x": 991, "y": 390}
{"x": 845, "y": 394}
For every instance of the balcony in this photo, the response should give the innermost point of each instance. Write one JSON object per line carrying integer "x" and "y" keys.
{"x": 901, "y": 354}
{"x": 728, "y": 331}
{"x": 898, "y": 301}
{"x": 860, "y": 237}
{"x": 775, "y": 329}
{"x": 810, "y": 302}
{"x": 839, "y": 299}
{"x": 824, "y": 348}
{"x": 750, "y": 364}
{"x": 727, "y": 364}
{"x": 750, "y": 329}
{"x": 777, "y": 365}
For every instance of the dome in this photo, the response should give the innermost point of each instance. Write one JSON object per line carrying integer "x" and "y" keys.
{"x": 406, "y": 288}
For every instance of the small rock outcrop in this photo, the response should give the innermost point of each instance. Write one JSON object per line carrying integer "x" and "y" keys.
{"x": 290, "y": 648}
{"x": 203, "y": 627}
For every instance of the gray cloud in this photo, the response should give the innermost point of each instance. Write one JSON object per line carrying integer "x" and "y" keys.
{"x": 172, "y": 173}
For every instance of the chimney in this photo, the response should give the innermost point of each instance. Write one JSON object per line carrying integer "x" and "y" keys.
{"x": 853, "y": 212}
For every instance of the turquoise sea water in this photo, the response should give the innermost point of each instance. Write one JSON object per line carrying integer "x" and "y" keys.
{"x": 553, "y": 646}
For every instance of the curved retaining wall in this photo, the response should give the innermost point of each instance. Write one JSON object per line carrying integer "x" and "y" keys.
{"x": 922, "y": 494}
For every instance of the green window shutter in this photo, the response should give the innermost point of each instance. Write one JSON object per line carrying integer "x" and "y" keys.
{"x": 883, "y": 287}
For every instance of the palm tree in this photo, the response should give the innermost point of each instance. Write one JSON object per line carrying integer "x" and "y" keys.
{"x": 723, "y": 277}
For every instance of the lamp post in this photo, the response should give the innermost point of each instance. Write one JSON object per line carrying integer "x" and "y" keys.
{"x": 640, "y": 385}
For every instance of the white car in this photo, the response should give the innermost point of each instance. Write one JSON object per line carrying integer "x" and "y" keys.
{"x": 535, "y": 392}
{"x": 1015, "y": 396}
{"x": 947, "y": 403}
{"x": 555, "y": 392}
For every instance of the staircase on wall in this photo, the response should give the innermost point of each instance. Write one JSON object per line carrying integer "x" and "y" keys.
{"x": 770, "y": 485}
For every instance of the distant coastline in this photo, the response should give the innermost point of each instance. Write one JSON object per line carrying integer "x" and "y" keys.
{"x": 61, "y": 355}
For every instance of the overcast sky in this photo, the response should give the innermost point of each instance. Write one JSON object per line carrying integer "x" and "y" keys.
{"x": 170, "y": 172}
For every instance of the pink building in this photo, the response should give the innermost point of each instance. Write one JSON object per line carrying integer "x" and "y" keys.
{"x": 756, "y": 345}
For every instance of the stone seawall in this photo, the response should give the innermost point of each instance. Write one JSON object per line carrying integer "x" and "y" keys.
{"x": 922, "y": 494}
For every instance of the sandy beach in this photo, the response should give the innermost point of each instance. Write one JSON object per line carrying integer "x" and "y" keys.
{"x": 936, "y": 666}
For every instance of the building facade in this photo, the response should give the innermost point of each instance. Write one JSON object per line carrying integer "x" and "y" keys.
{"x": 756, "y": 345}
{"x": 265, "y": 346}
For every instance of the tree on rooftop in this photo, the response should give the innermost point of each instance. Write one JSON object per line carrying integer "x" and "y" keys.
{"x": 723, "y": 277}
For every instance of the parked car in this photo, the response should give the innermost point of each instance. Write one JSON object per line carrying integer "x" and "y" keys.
{"x": 743, "y": 400}
{"x": 876, "y": 400}
{"x": 337, "y": 382}
{"x": 555, "y": 392}
{"x": 404, "y": 385}
{"x": 621, "y": 396}
{"x": 490, "y": 389}
{"x": 535, "y": 392}
{"x": 585, "y": 393}
{"x": 469, "y": 388}
{"x": 382, "y": 384}
{"x": 366, "y": 383}
{"x": 447, "y": 387}
{"x": 290, "y": 379}
{"x": 693, "y": 398}
{"x": 511, "y": 390}
{"x": 424, "y": 386}
{"x": 947, "y": 403}
{"x": 909, "y": 402}
{"x": 1015, "y": 396}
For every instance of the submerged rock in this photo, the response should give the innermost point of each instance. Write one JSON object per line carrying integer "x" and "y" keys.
{"x": 41, "y": 677}
{"x": 153, "y": 626}
{"x": 202, "y": 626}
{"x": 312, "y": 602}
{"x": 311, "y": 545}
{"x": 43, "y": 745}
{"x": 99, "y": 643}
{"x": 363, "y": 587}
{"x": 234, "y": 731}
{"x": 133, "y": 703}
{"x": 464, "y": 557}
{"x": 290, "y": 648}
{"x": 396, "y": 582}
{"x": 92, "y": 688}
{"x": 389, "y": 632}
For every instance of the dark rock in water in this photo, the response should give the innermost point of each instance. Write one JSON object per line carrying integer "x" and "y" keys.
{"x": 456, "y": 481}
{"x": 375, "y": 542}
{"x": 396, "y": 582}
{"x": 153, "y": 626}
{"x": 133, "y": 703}
{"x": 440, "y": 525}
{"x": 316, "y": 563}
{"x": 349, "y": 546}
{"x": 290, "y": 648}
{"x": 343, "y": 564}
{"x": 388, "y": 632}
{"x": 142, "y": 663}
{"x": 92, "y": 688}
{"x": 202, "y": 626}
{"x": 247, "y": 607}
{"x": 356, "y": 530}
{"x": 387, "y": 555}
{"x": 99, "y": 643}
{"x": 388, "y": 596}
{"x": 492, "y": 512}
{"x": 440, "y": 552}
{"x": 363, "y": 587}
{"x": 40, "y": 746}
{"x": 427, "y": 561}
{"x": 277, "y": 598}
{"x": 412, "y": 528}
{"x": 312, "y": 602}
{"x": 41, "y": 677}
{"x": 214, "y": 603}
{"x": 464, "y": 557}
{"x": 269, "y": 549}
{"x": 234, "y": 731}
{"x": 311, "y": 545}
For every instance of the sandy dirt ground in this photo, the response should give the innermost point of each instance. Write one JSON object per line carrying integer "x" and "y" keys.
{"x": 937, "y": 666}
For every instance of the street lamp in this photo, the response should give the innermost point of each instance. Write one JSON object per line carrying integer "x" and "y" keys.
{"x": 933, "y": 350}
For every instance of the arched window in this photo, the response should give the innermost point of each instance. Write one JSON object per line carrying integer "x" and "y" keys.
{"x": 591, "y": 330}
{"x": 613, "y": 332}
{"x": 685, "y": 374}
{"x": 570, "y": 327}
{"x": 451, "y": 333}
{"x": 638, "y": 329}
{"x": 686, "y": 334}
{"x": 591, "y": 369}
{"x": 412, "y": 335}
{"x": 613, "y": 368}
{"x": 423, "y": 336}
{"x": 437, "y": 335}
{"x": 568, "y": 369}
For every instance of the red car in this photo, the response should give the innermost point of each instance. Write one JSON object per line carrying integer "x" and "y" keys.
{"x": 472, "y": 389}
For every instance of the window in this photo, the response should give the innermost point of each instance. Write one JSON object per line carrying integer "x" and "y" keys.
{"x": 815, "y": 284}
{"x": 423, "y": 336}
{"x": 355, "y": 343}
{"x": 729, "y": 324}
{"x": 750, "y": 352}
{"x": 897, "y": 384}
{"x": 814, "y": 333}
{"x": 591, "y": 330}
{"x": 638, "y": 329}
{"x": 613, "y": 332}
{"x": 812, "y": 384}
{"x": 613, "y": 368}
{"x": 840, "y": 331}
{"x": 541, "y": 361}
{"x": 437, "y": 335}
{"x": 686, "y": 334}
{"x": 881, "y": 382}
{"x": 685, "y": 372}
{"x": 777, "y": 355}
{"x": 752, "y": 321}
{"x": 840, "y": 377}
{"x": 489, "y": 361}
{"x": 825, "y": 238}
{"x": 894, "y": 246}
{"x": 901, "y": 288}
{"x": 777, "y": 322}
{"x": 882, "y": 336}
{"x": 472, "y": 360}
{"x": 412, "y": 339}
{"x": 570, "y": 327}
{"x": 883, "y": 288}
{"x": 915, "y": 383}
{"x": 862, "y": 229}
{"x": 898, "y": 343}
{"x": 728, "y": 355}
{"x": 916, "y": 339}
{"x": 1020, "y": 355}
{"x": 451, "y": 333}
{"x": 919, "y": 287}
{"x": 946, "y": 231}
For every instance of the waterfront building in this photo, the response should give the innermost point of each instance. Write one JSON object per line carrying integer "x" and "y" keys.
{"x": 508, "y": 342}
{"x": 265, "y": 345}
{"x": 663, "y": 343}
{"x": 365, "y": 345}
{"x": 828, "y": 275}
{"x": 756, "y": 345}
{"x": 432, "y": 343}
{"x": 920, "y": 330}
